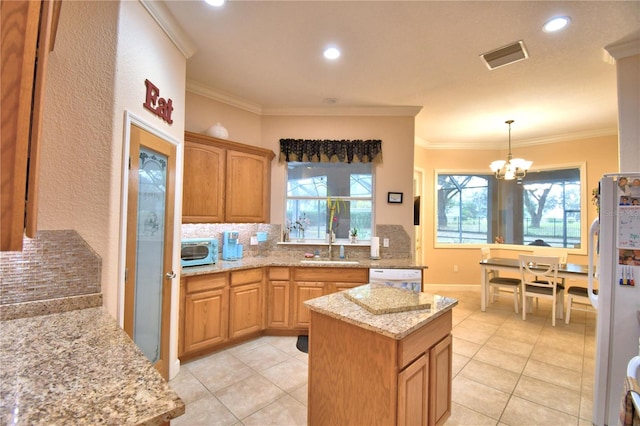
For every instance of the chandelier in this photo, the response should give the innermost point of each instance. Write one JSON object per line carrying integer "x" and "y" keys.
{"x": 513, "y": 168}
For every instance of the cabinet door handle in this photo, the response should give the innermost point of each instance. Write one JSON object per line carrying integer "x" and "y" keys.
{"x": 171, "y": 275}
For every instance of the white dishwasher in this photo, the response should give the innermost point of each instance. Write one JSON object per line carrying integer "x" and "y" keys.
{"x": 410, "y": 279}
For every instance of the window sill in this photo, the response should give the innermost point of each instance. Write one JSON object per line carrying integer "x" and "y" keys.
{"x": 346, "y": 243}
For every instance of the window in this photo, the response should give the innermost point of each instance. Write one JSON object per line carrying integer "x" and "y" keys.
{"x": 477, "y": 209}
{"x": 462, "y": 208}
{"x": 551, "y": 211}
{"x": 309, "y": 186}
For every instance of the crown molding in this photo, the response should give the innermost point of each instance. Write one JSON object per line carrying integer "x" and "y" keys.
{"x": 417, "y": 140}
{"x": 624, "y": 49}
{"x": 362, "y": 111}
{"x": 521, "y": 143}
{"x": 225, "y": 98}
{"x": 170, "y": 26}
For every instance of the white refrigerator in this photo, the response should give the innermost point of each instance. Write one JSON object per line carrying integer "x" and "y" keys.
{"x": 614, "y": 250}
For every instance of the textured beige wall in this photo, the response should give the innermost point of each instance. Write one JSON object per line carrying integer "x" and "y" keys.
{"x": 104, "y": 52}
{"x": 628, "y": 75}
{"x": 202, "y": 112}
{"x": 599, "y": 154}
{"x": 77, "y": 170}
{"x": 395, "y": 174}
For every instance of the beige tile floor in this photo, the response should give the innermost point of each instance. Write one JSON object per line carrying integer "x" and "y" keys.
{"x": 506, "y": 371}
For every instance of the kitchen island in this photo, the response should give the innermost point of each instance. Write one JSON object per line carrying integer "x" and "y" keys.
{"x": 379, "y": 368}
{"x": 78, "y": 367}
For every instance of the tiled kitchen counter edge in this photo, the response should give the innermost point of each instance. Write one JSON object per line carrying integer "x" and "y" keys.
{"x": 395, "y": 325}
{"x": 77, "y": 366}
{"x": 49, "y": 306}
{"x": 258, "y": 262}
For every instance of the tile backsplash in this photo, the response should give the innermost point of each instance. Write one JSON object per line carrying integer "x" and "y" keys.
{"x": 52, "y": 265}
{"x": 399, "y": 241}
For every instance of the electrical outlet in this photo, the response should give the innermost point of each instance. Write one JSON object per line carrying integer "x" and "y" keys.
{"x": 254, "y": 241}
{"x": 385, "y": 242}
{"x": 455, "y": 268}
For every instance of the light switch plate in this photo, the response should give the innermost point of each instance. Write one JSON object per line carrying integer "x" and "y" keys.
{"x": 385, "y": 242}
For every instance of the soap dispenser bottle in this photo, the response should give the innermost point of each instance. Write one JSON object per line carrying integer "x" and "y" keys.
{"x": 341, "y": 251}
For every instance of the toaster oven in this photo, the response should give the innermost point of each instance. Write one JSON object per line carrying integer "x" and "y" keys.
{"x": 199, "y": 251}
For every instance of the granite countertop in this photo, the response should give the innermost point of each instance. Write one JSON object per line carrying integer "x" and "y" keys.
{"x": 78, "y": 367}
{"x": 257, "y": 262}
{"x": 396, "y": 325}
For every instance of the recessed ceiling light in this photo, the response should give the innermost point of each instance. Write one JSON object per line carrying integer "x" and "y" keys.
{"x": 331, "y": 53}
{"x": 216, "y": 3}
{"x": 556, "y": 24}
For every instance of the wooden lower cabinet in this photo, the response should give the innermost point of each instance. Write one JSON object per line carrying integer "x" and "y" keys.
{"x": 424, "y": 387}
{"x": 246, "y": 314}
{"x": 303, "y": 291}
{"x": 309, "y": 283}
{"x": 278, "y": 298}
{"x": 220, "y": 308}
{"x": 206, "y": 303}
{"x": 358, "y": 376}
{"x": 440, "y": 363}
{"x": 413, "y": 392}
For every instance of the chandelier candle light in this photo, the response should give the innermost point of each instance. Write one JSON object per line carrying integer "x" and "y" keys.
{"x": 513, "y": 168}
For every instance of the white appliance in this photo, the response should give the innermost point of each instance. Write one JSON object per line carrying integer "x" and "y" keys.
{"x": 410, "y": 279}
{"x": 614, "y": 248}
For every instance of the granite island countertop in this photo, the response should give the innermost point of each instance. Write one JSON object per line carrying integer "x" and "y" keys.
{"x": 396, "y": 325}
{"x": 78, "y": 367}
{"x": 258, "y": 262}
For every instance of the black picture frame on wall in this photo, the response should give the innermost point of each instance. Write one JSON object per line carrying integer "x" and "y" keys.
{"x": 394, "y": 197}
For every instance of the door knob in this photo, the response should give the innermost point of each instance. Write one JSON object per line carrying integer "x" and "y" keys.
{"x": 171, "y": 275}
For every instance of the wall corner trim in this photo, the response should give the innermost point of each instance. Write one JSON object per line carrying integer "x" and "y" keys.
{"x": 170, "y": 26}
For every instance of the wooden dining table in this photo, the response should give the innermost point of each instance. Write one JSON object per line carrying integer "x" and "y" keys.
{"x": 565, "y": 270}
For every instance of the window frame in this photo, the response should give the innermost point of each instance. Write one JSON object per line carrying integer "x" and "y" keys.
{"x": 320, "y": 241}
{"x": 581, "y": 166}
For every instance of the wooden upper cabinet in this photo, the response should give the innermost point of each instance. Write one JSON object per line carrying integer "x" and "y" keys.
{"x": 225, "y": 181}
{"x": 28, "y": 31}
{"x": 203, "y": 195}
{"x": 248, "y": 187}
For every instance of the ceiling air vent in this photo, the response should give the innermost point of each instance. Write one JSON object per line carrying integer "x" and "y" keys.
{"x": 505, "y": 55}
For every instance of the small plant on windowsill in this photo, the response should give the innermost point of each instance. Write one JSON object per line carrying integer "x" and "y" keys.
{"x": 353, "y": 233}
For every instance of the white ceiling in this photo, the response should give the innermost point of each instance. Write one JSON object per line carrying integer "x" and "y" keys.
{"x": 267, "y": 57}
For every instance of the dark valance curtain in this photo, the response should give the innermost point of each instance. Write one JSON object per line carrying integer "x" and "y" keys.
{"x": 330, "y": 151}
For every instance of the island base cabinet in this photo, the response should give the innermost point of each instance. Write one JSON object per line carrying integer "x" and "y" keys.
{"x": 352, "y": 375}
{"x": 413, "y": 393}
{"x": 440, "y": 362}
{"x": 358, "y": 376}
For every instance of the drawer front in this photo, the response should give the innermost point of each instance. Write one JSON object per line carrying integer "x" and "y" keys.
{"x": 206, "y": 282}
{"x": 247, "y": 276}
{"x": 419, "y": 342}
{"x": 350, "y": 275}
{"x": 279, "y": 274}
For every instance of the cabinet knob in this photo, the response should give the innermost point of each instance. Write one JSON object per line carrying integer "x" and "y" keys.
{"x": 171, "y": 275}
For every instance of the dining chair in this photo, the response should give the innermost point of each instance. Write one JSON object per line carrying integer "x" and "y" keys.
{"x": 559, "y": 252}
{"x": 501, "y": 286}
{"x": 539, "y": 275}
{"x": 580, "y": 296}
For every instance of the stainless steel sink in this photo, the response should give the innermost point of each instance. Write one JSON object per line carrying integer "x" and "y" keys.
{"x": 330, "y": 262}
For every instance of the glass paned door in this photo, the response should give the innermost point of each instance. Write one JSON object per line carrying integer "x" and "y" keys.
{"x": 152, "y": 187}
{"x": 149, "y": 278}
